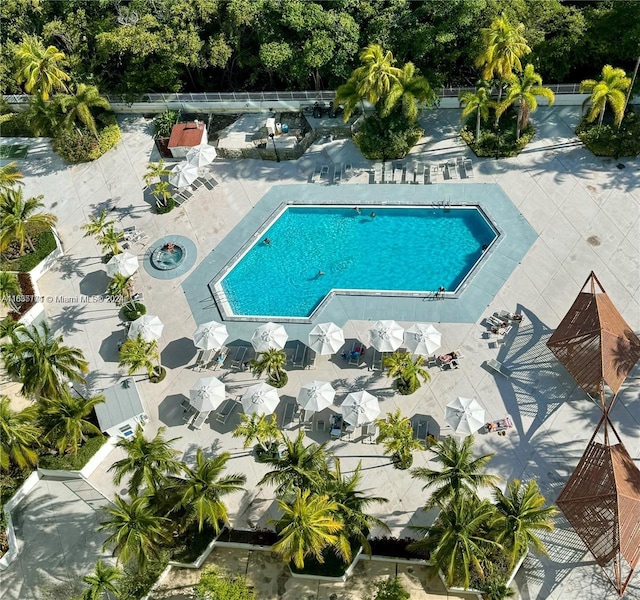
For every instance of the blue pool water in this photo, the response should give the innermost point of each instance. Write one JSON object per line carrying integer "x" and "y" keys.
{"x": 407, "y": 249}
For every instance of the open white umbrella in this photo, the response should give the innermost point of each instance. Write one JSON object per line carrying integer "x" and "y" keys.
{"x": 326, "y": 338}
{"x": 207, "y": 394}
{"x": 124, "y": 263}
{"x": 148, "y": 326}
{"x": 360, "y": 408}
{"x": 201, "y": 155}
{"x": 464, "y": 415}
{"x": 386, "y": 336}
{"x": 316, "y": 396}
{"x": 269, "y": 335}
{"x": 261, "y": 399}
{"x": 210, "y": 335}
{"x": 422, "y": 339}
{"x": 183, "y": 174}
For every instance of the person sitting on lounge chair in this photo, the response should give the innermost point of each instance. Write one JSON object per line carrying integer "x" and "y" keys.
{"x": 447, "y": 358}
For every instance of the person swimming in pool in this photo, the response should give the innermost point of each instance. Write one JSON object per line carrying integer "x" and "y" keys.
{"x": 266, "y": 241}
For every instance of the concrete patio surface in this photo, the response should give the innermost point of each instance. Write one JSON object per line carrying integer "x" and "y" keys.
{"x": 586, "y": 213}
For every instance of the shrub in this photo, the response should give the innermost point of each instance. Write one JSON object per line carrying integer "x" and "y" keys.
{"x": 133, "y": 310}
{"x": 500, "y": 142}
{"x": 390, "y": 589}
{"x": 215, "y": 584}
{"x": 159, "y": 373}
{"x": 387, "y": 138}
{"x": 193, "y": 543}
{"x": 27, "y": 292}
{"x": 82, "y": 146}
{"x": 44, "y": 243}
{"x": 135, "y": 583}
{"x": 164, "y": 122}
{"x": 162, "y": 209}
{"x": 17, "y": 126}
{"x": 279, "y": 383}
{"x": 608, "y": 140}
{"x": 109, "y": 137}
{"x": 73, "y": 462}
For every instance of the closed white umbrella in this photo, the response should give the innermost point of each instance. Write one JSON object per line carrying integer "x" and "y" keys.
{"x": 316, "y": 396}
{"x": 464, "y": 415}
{"x": 201, "y": 155}
{"x": 207, "y": 394}
{"x": 269, "y": 335}
{"x": 148, "y": 326}
{"x": 422, "y": 339}
{"x": 183, "y": 174}
{"x": 124, "y": 263}
{"x": 360, "y": 408}
{"x": 326, "y": 338}
{"x": 261, "y": 399}
{"x": 210, "y": 335}
{"x": 386, "y": 336}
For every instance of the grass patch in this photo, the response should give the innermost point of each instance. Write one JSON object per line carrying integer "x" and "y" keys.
{"x": 18, "y": 151}
{"x": 43, "y": 241}
{"x": 73, "y": 462}
{"x": 608, "y": 140}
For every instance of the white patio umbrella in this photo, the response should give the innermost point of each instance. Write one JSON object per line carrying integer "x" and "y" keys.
{"x": 124, "y": 263}
{"x": 269, "y": 335}
{"x": 386, "y": 336}
{"x": 207, "y": 394}
{"x": 464, "y": 415}
{"x": 210, "y": 335}
{"x": 201, "y": 155}
{"x": 149, "y": 326}
{"x": 326, "y": 338}
{"x": 422, "y": 339}
{"x": 183, "y": 174}
{"x": 261, "y": 399}
{"x": 360, "y": 408}
{"x": 316, "y": 396}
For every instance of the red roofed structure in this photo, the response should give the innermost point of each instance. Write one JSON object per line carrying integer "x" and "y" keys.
{"x": 185, "y": 136}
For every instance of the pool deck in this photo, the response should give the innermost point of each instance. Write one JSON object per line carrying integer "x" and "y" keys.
{"x": 585, "y": 213}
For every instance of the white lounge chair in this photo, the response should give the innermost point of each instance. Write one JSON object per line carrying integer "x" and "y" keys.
{"x": 287, "y": 418}
{"x": 397, "y": 173}
{"x": 434, "y": 174}
{"x": 377, "y": 173}
{"x": 225, "y": 410}
{"x": 452, "y": 169}
{"x": 468, "y": 168}
{"x": 324, "y": 174}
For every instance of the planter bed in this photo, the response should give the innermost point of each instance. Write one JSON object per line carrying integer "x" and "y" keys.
{"x": 259, "y": 537}
{"x": 391, "y": 547}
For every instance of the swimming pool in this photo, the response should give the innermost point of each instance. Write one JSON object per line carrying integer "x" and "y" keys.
{"x": 314, "y": 249}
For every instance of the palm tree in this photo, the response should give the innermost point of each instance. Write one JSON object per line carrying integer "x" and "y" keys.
{"x": 408, "y": 90}
{"x": 155, "y": 171}
{"x": 307, "y": 527}
{"x": 102, "y": 582}
{"x": 120, "y": 285}
{"x": 524, "y": 90}
{"x": 479, "y": 102}
{"x": 39, "y": 67}
{"x": 377, "y": 75}
{"x": 257, "y": 428}
{"x": 271, "y": 362}
{"x": 348, "y": 95}
{"x": 407, "y": 371}
{"x": 78, "y": 107}
{"x": 458, "y": 539}
{"x": 18, "y": 216}
{"x": 147, "y": 461}
{"x": 137, "y": 532}
{"x": 504, "y": 45}
{"x": 202, "y": 489}
{"x": 461, "y": 475}
{"x": 44, "y": 116}
{"x": 97, "y": 225}
{"x": 520, "y": 513}
{"x": 609, "y": 90}
{"x": 137, "y": 353}
{"x": 9, "y": 289}
{"x": 162, "y": 192}
{"x": 298, "y": 466}
{"x": 41, "y": 362}
{"x": 18, "y": 436}
{"x": 10, "y": 176}
{"x": 64, "y": 421}
{"x": 110, "y": 239}
{"x": 396, "y": 434}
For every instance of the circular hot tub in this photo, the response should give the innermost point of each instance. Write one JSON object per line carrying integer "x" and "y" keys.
{"x": 168, "y": 256}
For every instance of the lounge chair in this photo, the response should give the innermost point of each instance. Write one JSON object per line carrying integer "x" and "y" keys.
{"x": 452, "y": 168}
{"x": 199, "y": 420}
{"x": 225, "y": 410}
{"x": 203, "y": 360}
{"x": 498, "y": 367}
{"x": 337, "y": 174}
{"x": 209, "y": 181}
{"x": 310, "y": 361}
{"x": 420, "y": 430}
{"x": 238, "y": 358}
{"x": 468, "y": 168}
{"x": 218, "y": 359}
{"x": 385, "y": 174}
{"x": 197, "y": 184}
{"x": 370, "y": 433}
{"x": 377, "y": 173}
{"x": 434, "y": 174}
{"x": 324, "y": 174}
{"x": 298, "y": 357}
{"x": 357, "y": 354}
{"x": 499, "y": 425}
{"x": 314, "y": 176}
{"x": 347, "y": 172}
{"x": 287, "y": 417}
{"x": 397, "y": 173}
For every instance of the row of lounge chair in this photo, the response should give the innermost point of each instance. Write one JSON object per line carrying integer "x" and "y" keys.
{"x": 325, "y": 175}
{"x": 420, "y": 173}
{"x": 207, "y": 180}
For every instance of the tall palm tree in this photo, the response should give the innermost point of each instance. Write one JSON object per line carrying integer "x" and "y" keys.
{"x": 202, "y": 489}
{"x": 64, "y": 421}
{"x": 377, "y": 75}
{"x": 407, "y": 371}
{"x": 39, "y": 68}
{"x": 347, "y": 94}
{"x": 408, "y": 90}
{"x": 44, "y": 116}
{"x": 102, "y": 582}
{"x": 9, "y": 289}
{"x": 524, "y": 90}
{"x": 79, "y": 105}
{"x": 308, "y": 526}
{"x": 97, "y": 225}
{"x": 155, "y": 171}
{"x": 461, "y": 474}
{"x": 504, "y": 45}
{"x": 396, "y": 434}
{"x": 458, "y": 539}
{"x": 41, "y": 362}
{"x": 271, "y": 362}
{"x": 18, "y": 216}
{"x": 478, "y": 102}
{"x": 110, "y": 239}
{"x": 521, "y": 511}
{"x": 137, "y": 533}
{"x": 10, "y": 176}
{"x": 137, "y": 353}
{"x": 147, "y": 462}
{"x": 298, "y": 466}
{"x": 610, "y": 90}
{"x": 19, "y": 436}
{"x": 259, "y": 428}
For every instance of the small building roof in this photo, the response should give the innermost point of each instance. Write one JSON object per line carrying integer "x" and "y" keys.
{"x": 186, "y": 134}
{"x": 121, "y": 404}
